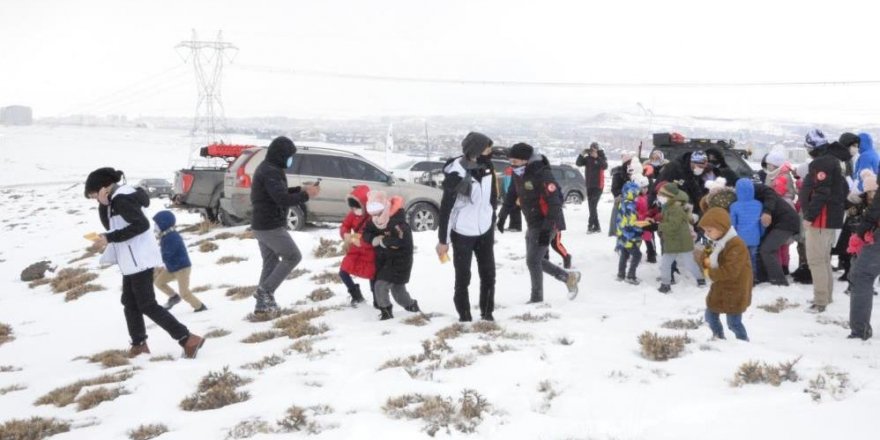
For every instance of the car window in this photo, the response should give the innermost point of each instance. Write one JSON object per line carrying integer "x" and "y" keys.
{"x": 427, "y": 166}
{"x": 558, "y": 174}
{"x": 319, "y": 165}
{"x": 359, "y": 170}
{"x": 737, "y": 164}
{"x": 570, "y": 175}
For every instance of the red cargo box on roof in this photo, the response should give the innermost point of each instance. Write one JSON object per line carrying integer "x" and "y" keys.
{"x": 223, "y": 150}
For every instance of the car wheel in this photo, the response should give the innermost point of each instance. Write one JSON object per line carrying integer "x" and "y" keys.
{"x": 296, "y": 218}
{"x": 227, "y": 219}
{"x": 574, "y": 198}
{"x": 422, "y": 217}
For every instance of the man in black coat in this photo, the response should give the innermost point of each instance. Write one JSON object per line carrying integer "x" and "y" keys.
{"x": 271, "y": 199}
{"x": 536, "y": 189}
{"x": 781, "y": 223}
{"x": 594, "y": 162}
{"x": 823, "y": 197}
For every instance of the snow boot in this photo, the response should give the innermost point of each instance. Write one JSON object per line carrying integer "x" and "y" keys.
{"x": 263, "y": 305}
{"x": 621, "y": 277}
{"x": 664, "y": 288}
{"x": 385, "y": 313}
{"x": 414, "y": 307}
{"x": 172, "y": 301}
{"x": 192, "y": 345}
{"x": 138, "y": 349}
{"x": 356, "y": 296}
{"x": 633, "y": 280}
{"x": 201, "y": 309}
{"x": 574, "y": 277}
{"x": 487, "y": 317}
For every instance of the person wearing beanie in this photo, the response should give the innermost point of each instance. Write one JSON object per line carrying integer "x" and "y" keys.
{"x": 360, "y": 259}
{"x": 594, "y": 162}
{"x": 467, "y": 222}
{"x": 822, "y": 198}
{"x": 391, "y": 238}
{"x": 536, "y": 191}
{"x": 271, "y": 200}
{"x": 720, "y": 168}
{"x": 729, "y": 268}
{"x": 675, "y": 236}
{"x": 130, "y": 244}
{"x": 866, "y": 266}
{"x": 177, "y": 264}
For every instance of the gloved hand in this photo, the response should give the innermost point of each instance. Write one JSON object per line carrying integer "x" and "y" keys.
{"x": 544, "y": 237}
{"x": 500, "y": 226}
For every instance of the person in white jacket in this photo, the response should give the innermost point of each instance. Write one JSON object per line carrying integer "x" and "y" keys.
{"x": 131, "y": 245}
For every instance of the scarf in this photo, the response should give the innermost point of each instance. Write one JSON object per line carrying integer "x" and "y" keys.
{"x": 719, "y": 246}
{"x": 381, "y": 220}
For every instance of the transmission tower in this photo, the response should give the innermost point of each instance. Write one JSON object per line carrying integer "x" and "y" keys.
{"x": 208, "y": 58}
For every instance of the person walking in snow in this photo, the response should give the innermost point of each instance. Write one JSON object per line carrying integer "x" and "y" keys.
{"x": 360, "y": 259}
{"x": 467, "y": 221}
{"x": 130, "y": 244}
{"x": 536, "y": 189}
{"x": 392, "y": 241}
{"x": 271, "y": 200}
{"x": 676, "y": 236}
{"x": 594, "y": 162}
{"x": 730, "y": 270}
{"x": 177, "y": 264}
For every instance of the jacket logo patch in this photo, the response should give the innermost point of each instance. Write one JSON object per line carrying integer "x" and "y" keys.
{"x": 551, "y": 187}
{"x": 529, "y": 186}
{"x": 820, "y": 176}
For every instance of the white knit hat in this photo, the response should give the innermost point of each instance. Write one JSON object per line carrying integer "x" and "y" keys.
{"x": 776, "y": 158}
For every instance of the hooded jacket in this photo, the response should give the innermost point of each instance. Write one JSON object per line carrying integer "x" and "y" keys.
{"x": 722, "y": 169}
{"x": 130, "y": 242}
{"x": 823, "y": 194}
{"x": 731, "y": 289}
{"x": 359, "y": 260}
{"x": 785, "y": 217}
{"x": 394, "y": 256}
{"x": 675, "y": 226}
{"x": 629, "y": 235}
{"x": 745, "y": 213}
{"x": 174, "y": 253}
{"x": 868, "y": 159}
{"x": 594, "y": 169}
{"x": 471, "y": 214}
{"x": 270, "y": 196}
{"x": 619, "y": 176}
{"x": 537, "y": 191}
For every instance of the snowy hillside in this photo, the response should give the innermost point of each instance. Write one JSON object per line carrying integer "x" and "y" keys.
{"x": 560, "y": 370}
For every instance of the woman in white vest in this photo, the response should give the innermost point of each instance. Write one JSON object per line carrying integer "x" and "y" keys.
{"x": 130, "y": 244}
{"x": 467, "y": 219}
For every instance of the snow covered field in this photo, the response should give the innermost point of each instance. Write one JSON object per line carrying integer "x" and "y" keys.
{"x": 576, "y": 373}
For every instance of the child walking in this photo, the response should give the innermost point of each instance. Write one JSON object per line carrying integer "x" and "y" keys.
{"x": 177, "y": 264}
{"x": 629, "y": 234}
{"x": 130, "y": 244}
{"x": 392, "y": 241}
{"x": 359, "y": 260}
{"x": 745, "y": 217}
{"x": 729, "y": 268}
{"x": 675, "y": 236}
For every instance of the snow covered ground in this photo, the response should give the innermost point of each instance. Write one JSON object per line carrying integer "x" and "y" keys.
{"x": 577, "y": 375}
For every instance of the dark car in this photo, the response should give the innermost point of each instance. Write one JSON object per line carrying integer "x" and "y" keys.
{"x": 571, "y": 181}
{"x": 674, "y": 146}
{"x": 156, "y": 187}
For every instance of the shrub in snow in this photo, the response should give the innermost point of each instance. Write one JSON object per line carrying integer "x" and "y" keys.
{"x": 216, "y": 390}
{"x": 12, "y": 388}
{"x": 683, "y": 324}
{"x": 328, "y": 248}
{"x": 241, "y": 292}
{"x": 298, "y": 419}
{"x": 261, "y": 336}
{"x": 231, "y": 259}
{"x": 97, "y": 396}
{"x": 529, "y": 317}
{"x": 35, "y": 428}
{"x": 249, "y": 428}
{"x": 778, "y": 306}
{"x": 327, "y": 278}
{"x": 147, "y": 432}
{"x": 438, "y": 412}
{"x": 217, "y": 333}
{"x": 108, "y": 358}
{"x": 754, "y": 372}
{"x": 662, "y": 348}
{"x": 208, "y": 246}
{"x": 66, "y": 395}
{"x": 5, "y": 333}
{"x": 266, "y": 362}
{"x": 296, "y": 273}
{"x": 320, "y": 294}
{"x": 831, "y": 382}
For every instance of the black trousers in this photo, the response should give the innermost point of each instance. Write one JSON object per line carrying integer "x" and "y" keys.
{"x": 463, "y": 249}
{"x": 593, "y": 195}
{"x": 139, "y": 299}
{"x": 515, "y": 216}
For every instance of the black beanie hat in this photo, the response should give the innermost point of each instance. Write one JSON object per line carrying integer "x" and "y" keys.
{"x": 848, "y": 140}
{"x": 474, "y": 144}
{"x": 100, "y": 178}
{"x": 521, "y": 151}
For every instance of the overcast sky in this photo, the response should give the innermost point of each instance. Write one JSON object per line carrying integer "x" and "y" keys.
{"x": 118, "y": 56}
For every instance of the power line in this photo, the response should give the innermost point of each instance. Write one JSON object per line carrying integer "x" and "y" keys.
{"x": 553, "y": 84}
{"x": 135, "y": 87}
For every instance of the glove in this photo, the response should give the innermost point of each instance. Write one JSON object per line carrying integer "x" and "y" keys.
{"x": 854, "y": 247}
{"x": 500, "y": 227}
{"x": 544, "y": 237}
{"x": 854, "y": 197}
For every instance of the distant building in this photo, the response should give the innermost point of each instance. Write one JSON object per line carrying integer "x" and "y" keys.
{"x": 16, "y": 115}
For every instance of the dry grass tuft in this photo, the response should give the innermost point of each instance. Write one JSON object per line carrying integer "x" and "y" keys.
{"x": 202, "y": 288}
{"x": 217, "y": 333}
{"x": 327, "y": 278}
{"x": 328, "y": 248}
{"x": 241, "y": 292}
{"x": 830, "y": 381}
{"x": 108, "y": 358}
{"x": 6, "y": 333}
{"x": 529, "y": 317}
{"x": 683, "y": 324}
{"x": 299, "y": 324}
{"x": 437, "y": 412}
{"x": 485, "y": 327}
{"x": 662, "y": 348}
{"x": 778, "y": 306}
{"x": 451, "y": 332}
{"x": 266, "y": 362}
{"x": 97, "y": 396}
{"x": 754, "y": 372}
{"x": 12, "y": 388}
{"x": 39, "y": 282}
{"x": 296, "y": 273}
{"x": 231, "y": 259}
{"x": 321, "y": 294}
{"x": 35, "y": 428}
{"x": 70, "y": 278}
{"x": 299, "y": 419}
{"x": 262, "y": 336}
{"x": 420, "y": 319}
{"x": 66, "y": 395}
{"x": 223, "y": 236}
{"x": 216, "y": 390}
{"x": 459, "y": 361}
{"x": 268, "y": 316}
{"x": 147, "y": 432}
{"x": 208, "y": 246}
{"x": 9, "y": 368}
{"x": 77, "y": 292}
{"x": 162, "y": 358}
{"x": 249, "y": 428}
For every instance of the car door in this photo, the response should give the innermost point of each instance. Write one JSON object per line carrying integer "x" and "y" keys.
{"x": 308, "y": 168}
{"x": 360, "y": 172}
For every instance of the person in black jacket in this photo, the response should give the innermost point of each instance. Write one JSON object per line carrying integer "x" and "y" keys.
{"x": 467, "y": 220}
{"x": 822, "y": 199}
{"x": 781, "y": 223}
{"x": 271, "y": 199}
{"x": 392, "y": 241}
{"x": 536, "y": 190}
{"x": 594, "y": 162}
{"x": 720, "y": 167}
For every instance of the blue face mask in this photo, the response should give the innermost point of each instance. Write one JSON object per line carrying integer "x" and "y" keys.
{"x": 519, "y": 171}
{"x": 289, "y": 162}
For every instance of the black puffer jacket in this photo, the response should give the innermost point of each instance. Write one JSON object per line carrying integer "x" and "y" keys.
{"x": 537, "y": 191}
{"x": 823, "y": 195}
{"x": 270, "y": 196}
{"x": 679, "y": 171}
{"x": 785, "y": 218}
{"x": 394, "y": 259}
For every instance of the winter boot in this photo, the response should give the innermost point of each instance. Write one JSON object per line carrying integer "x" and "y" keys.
{"x": 652, "y": 255}
{"x": 356, "y": 296}
{"x": 202, "y": 308}
{"x": 263, "y": 305}
{"x": 465, "y": 317}
{"x": 566, "y": 262}
{"x": 487, "y": 317}
{"x": 574, "y": 277}
{"x": 621, "y": 277}
{"x": 192, "y": 345}
{"x": 414, "y": 307}
{"x": 172, "y": 301}
{"x": 633, "y": 280}
{"x": 138, "y": 349}
{"x": 815, "y": 308}
{"x": 385, "y": 313}
{"x": 664, "y": 288}
{"x": 701, "y": 283}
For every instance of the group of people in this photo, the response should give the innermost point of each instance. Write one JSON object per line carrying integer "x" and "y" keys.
{"x": 731, "y": 231}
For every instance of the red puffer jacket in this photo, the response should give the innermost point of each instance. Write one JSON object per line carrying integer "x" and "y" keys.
{"x": 359, "y": 261}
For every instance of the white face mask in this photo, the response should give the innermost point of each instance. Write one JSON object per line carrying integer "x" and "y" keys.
{"x": 853, "y": 151}
{"x": 358, "y": 211}
{"x": 519, "y": 171}
{"x": 375, "y": 208}
{"x": 663, "y": 199}
{"x": 698, "y": 171}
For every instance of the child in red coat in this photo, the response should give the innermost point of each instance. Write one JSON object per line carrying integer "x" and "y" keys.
{"x": 360, "y": 259}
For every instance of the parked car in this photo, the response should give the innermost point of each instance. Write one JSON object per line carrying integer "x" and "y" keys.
{"x": 674, "y": 145}
{"x": 339, "y": 172}
{"x": 156, "y": 187}
{"x": 571, "y": 182}
{"x": 200, "y": 187}
{"x": 412, "y": 170}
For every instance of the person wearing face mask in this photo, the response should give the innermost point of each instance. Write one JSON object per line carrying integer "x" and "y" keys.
{"x": 467, "y": 221}
{"x": 720, "y": 167}
{"x": 271, "y": 200}
{"x": 360, "y": 258}
{"x": 536, "y": 190}
{"x": 129, "y": 243}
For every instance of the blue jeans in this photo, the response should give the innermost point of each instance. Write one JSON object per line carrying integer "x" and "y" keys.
{"x": 734, "y": 323}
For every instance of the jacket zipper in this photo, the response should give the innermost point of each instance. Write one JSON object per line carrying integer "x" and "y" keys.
{"x": 132, "y": 256}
